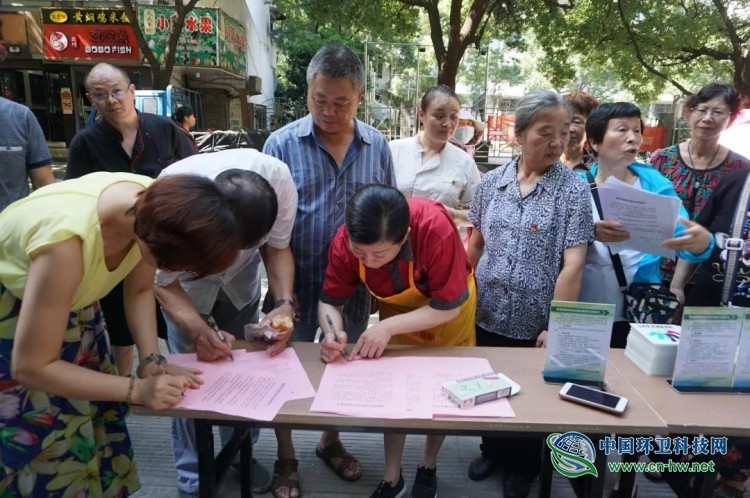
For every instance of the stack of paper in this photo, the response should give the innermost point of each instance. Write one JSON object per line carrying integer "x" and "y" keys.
{"x": 650, "y": 218}
{"x": 653, "y": 348}
{"x": 401, "y": 387}
{"x": 252, "y": 386}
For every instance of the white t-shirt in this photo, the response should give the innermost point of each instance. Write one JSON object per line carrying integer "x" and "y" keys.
{"x": 240, "y": 280}
{"x": 599, "y": 283}
{"x": 450, "y": 177}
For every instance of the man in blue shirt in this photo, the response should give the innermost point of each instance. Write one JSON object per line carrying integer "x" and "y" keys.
{"x": 331, "y": 155}
{"x": 24, "y": 154}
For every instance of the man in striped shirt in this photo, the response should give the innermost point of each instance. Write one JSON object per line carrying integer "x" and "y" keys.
{"x": 331, "y": 156}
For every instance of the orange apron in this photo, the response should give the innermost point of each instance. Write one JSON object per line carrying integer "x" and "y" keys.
{"x": 460, "y": 331}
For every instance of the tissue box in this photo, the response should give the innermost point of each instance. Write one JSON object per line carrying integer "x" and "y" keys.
{"x": 476, "y": 390}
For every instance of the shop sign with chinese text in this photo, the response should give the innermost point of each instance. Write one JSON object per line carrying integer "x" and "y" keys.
{"x": 232, "y": 45}
{"x": 88, "y": 34}
{"x": 197, "y": 45}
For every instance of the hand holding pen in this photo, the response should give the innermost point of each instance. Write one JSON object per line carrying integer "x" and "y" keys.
{"x": 334, "y": 343}
{"x": 220, "y": 335}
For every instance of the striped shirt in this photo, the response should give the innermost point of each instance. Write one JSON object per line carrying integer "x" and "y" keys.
{"x": 324, "y": 190}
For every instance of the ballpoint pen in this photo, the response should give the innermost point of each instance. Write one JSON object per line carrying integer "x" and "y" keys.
{"x": 344, "y": 352}
{"x": 219, "y": 333}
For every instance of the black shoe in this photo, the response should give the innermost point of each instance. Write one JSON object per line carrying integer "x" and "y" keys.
{"x": 261, "y": 482}
{"x": 516, "y": 485}
{"x": 387, "y": 490}
{"x": 481, "y": 468}
{"x": 425, "y": 483}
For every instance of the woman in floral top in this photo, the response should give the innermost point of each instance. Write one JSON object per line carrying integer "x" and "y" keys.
{"x": 696, "y": 165}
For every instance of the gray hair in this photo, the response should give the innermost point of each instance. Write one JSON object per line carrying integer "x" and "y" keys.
{"x": 533, "y": 102}
{"x": 337, "y": 61}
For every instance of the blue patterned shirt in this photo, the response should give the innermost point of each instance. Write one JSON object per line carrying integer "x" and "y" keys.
{"x": 524, "y": 240}
{"x": 324, "y": 190}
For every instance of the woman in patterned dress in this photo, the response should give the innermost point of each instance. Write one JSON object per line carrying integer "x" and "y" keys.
{"x": 62, "y": 416}
{"x": 696, "y": 165}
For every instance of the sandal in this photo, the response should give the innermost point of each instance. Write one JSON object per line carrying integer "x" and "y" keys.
{"x": 336, "y": 457}
{"x": 282, "y": 471}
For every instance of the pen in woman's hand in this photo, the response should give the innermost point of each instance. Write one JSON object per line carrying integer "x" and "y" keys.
{"x": 219, "y": 333}
{"x": 344, "y": 352}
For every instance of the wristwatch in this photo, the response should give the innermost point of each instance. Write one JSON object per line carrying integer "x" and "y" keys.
{"x": 284, "y": 300}
{"x": 152, "y": 358}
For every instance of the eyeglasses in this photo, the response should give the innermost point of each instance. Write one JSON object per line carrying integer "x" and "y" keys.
{"x": 104, "y": 96}
{"x": 704, "y": 111}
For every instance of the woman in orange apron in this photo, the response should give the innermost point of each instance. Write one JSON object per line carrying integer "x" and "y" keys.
{"x": 409, "y": 255}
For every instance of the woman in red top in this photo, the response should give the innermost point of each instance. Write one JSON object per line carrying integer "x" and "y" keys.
{"x": 409, "y": 255}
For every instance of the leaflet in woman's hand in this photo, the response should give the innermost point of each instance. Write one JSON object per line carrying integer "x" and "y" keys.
{"x": 649, "y": 218}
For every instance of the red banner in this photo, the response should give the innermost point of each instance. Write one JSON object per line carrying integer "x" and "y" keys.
{"x": 88, "y": 34}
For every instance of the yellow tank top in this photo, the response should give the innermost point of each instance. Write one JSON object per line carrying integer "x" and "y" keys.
{"x": 56, "y": 213}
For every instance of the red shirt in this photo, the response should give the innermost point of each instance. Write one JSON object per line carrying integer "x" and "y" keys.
{"x": 441, "y": 267}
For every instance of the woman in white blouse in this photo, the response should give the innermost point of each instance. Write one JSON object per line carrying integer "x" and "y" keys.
{"x": 427, "y": 165}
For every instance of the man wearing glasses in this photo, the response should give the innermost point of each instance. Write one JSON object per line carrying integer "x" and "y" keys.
{"x": 123, "y": 140}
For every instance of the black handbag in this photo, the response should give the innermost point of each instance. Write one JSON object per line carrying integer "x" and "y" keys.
{"x": 644, "y": 302}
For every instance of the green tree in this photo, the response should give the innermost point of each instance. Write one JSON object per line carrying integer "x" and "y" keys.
{"x": 461, "y": 24}
{"x": 160, "y": 73}
{"x": 311, "y": 24}
{"x": 650, "y": 44}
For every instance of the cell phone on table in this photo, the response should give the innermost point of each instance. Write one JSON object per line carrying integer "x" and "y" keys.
{"x": 594, "y": 398}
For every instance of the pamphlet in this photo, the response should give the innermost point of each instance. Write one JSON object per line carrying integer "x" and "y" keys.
{"x": 707, "y": 348}
{"x": 650, "y": 218}
{"x": 578, "y": 342}
{"x": 741, "y": 380}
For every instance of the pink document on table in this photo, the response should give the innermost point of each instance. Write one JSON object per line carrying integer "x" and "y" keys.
{"x": 383, "y": 388}
{"x": 401, "y": 387}
{"x": 252, "y": 386}
{"x": 452, "y": 368}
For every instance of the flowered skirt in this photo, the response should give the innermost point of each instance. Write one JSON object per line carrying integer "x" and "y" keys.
{"x": 52, "y": 446}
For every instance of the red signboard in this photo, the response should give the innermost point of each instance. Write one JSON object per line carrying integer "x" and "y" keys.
{"x": 88, "y": 34}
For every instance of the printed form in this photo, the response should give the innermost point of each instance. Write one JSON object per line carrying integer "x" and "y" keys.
{"x": 401, "y": 387}
{"x": 252, "y": 386}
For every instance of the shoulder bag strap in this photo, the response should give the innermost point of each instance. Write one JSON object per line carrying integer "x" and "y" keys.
{"x": 736, "y": 244}
{"x": 616, "y": 261}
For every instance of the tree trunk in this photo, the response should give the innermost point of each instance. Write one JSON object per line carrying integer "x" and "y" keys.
{"x": 448, "y": 69}
{"x": 160, "y": 78}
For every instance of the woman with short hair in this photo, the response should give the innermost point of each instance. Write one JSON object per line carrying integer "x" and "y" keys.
{"x": 410, "y": 257}
{"x": 62, "y": 404}
{"x": 616, "y": 133}
{"x": 575, "y": 155}
{"x": 533, "y": 223}
{"x": 695, "y": 166}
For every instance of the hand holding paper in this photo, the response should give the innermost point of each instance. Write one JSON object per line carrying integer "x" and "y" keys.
{"x": 191, "y": 374}
{"x": 610, "y": 231}
{"x": 695, "y": 239}
{"x": 649, "y": 218}
{"x": 372, "y": 342}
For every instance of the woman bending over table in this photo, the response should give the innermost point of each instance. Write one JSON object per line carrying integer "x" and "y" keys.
{"x": 410, "y": 256}
{"x": 62, "y": 404}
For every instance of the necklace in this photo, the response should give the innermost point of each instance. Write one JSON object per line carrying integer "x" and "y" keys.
{"x": 692, "y": 163}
